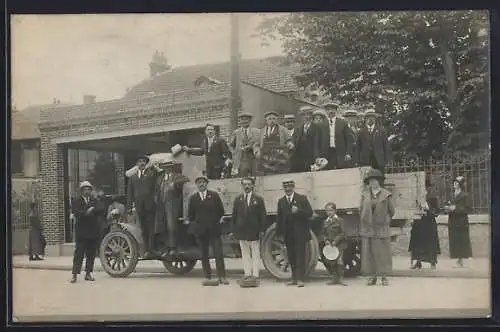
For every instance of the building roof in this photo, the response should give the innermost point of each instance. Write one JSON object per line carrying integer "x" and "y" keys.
{"x": 25, "y": 122}
{"x": 269, "y": 73}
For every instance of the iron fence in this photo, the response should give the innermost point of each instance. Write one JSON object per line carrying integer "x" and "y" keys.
{"x": 20, "y": 212}
{"x": 441, "y": 172}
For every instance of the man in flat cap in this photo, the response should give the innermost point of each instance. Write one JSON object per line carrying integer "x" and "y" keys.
{"x": 372, "y": 147}
{"x": 87, "y": 232}
{"x": 242, "y": 143}
{"x": 273, "y": 137}
{"x": 140, "y": 196}
{"x": 305, "y": 142}
{"x": 290, "y": 124}
{"x": 216, "y": 152}
{"x": 205, "y": 211}
{"x": 292, "y": 222}
{"x": 336, "y": 140}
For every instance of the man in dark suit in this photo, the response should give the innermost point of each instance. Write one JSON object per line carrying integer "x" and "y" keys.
{"x": 336, "y": 141}
{"x": 87, "y": 232}
{"x": 216, "y": 151}
{"x": 249, "y": 220}
{"x": 205, "y": 211}
{"x": 372, "y": 146}
{"x": 242, "y": 142}
{"x": 141, "y": 189}
{"x": 305, "y": 143}
{"x": 292, "y": 222}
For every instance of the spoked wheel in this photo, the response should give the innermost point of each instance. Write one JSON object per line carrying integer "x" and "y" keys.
{"x": 179, "y": 266}
{"x": 119, "y": 254}
{"x": 352, "y": 259}
{"x": 275, "y": 259}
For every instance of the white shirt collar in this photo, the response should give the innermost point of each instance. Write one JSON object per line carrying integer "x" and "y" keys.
{"x": 370, "y": 128}
{"x": 290, "y": 197}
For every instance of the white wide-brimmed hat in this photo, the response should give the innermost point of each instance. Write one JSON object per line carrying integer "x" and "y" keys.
{"x": 176, "y": 149}
{"x": 86, "y": 184}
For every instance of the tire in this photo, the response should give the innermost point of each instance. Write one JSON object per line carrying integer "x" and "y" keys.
{"x": 274, "y": 258}
{"x": 179, "y": 266}
{"x": 119, "y": 253}
{"x": 352, "y": 259}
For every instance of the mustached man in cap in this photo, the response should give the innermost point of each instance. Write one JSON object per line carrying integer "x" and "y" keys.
{"x": 290, "y": 123}
{"x": 372, "y": 147}
{"x": 273, "y": 136}
{"x": 140, "y": 192}
{"x": 168, "y": 201}
{"x": 292, "y": 222}
{"x": 205, "y": 212}
{"x": 242, "y": 143}
{"x": 86, "y": 210}
{"x": 336, "y": 140}
{"x": 305, "y": 142}
{"x": 216, "y": 152}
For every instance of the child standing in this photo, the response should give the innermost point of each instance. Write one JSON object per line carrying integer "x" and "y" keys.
{"x": 333, "y": 234}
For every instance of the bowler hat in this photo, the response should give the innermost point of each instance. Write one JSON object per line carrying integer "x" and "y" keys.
{"x": 373, "y": 174}
{"x": 246, "y": 115}
{"x": 270, "y": 113}
{"x": 86, "y": 184}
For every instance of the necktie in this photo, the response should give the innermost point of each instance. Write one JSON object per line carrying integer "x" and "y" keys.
{"x": 140, "y": 174}
{"x": 202, "y": 196}
{"x": 245, "y": 132}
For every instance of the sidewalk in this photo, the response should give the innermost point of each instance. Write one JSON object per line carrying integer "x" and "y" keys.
{"x": 475, "y": 268}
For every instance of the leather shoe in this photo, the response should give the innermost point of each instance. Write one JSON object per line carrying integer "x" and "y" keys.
{"x": 292, "y": 283}
{"x": 300, "y": 284}
{"x": 89, "y": 277}
{"x": 73, "y": 279}
{"x": 223, "y": 281}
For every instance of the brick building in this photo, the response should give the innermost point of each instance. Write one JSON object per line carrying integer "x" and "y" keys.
{"x": 171, "y": 106}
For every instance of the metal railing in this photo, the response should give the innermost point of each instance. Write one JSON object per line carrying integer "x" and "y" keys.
{"x": 441, "y": 172}
{"x": 20, "y": 211}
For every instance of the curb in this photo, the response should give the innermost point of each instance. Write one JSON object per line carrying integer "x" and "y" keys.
{"x": 459, "y": 273}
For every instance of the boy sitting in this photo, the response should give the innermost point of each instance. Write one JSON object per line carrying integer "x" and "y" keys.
{"x": 333, "y": 234}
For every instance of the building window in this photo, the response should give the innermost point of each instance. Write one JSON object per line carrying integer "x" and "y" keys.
{"x": 16, "y": 157}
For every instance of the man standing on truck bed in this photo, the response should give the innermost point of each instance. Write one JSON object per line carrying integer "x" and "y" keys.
{"x": 305, "y": 143}
{"x": 242, "y": 143}
{"x": 292, "y": 222}
{"x": 216, "y": 152}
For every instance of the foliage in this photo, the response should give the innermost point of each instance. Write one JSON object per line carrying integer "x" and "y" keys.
{"x": 426, "y": 71}
{"x": 103, "y": 174}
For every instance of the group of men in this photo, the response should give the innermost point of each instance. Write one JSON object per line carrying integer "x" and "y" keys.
{"x": 323, "y": 140}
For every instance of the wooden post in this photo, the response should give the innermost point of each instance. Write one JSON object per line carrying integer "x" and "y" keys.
{"x": 235, "y": 103}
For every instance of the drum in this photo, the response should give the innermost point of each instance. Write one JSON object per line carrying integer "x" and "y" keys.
{"x": 331, "y": 252}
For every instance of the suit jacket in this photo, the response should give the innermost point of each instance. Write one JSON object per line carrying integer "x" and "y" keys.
{"x": 87, "y": 226}
{"x": 142, "y": 189}
{"x": 169, "y": 200}
{"x": 236, "y": 144}
{"x": 216, "y": 154}
{"x": 306, "y": 147}
{"x": 248, "y": 221}
{"x": 294, "y": 224}
{"x": 204, "y": 216}
{"x": 283, "y": 132}
{"x": 344, "y": 141}
{"x": 376, "y": 142}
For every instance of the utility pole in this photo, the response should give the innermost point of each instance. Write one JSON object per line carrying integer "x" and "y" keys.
{"x": 235, "y": 103}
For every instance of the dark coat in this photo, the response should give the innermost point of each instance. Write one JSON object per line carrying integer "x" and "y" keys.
{"x": 306, "y": 148}
{"x": 458, "y": 227}
{"x": 377, "y": 143}
{"x": 376, "y": 214}
{"x": 248, "y": 221}
{"x": 168, "y": 200}
{"x": 296, "y": 224}
{"x": 141, "y": 190}
{"x": 333, "y": 232}
{"x": 87, "y": 226}
{"x": 217, "y": 154}
{"x": 36, "y": 239}
{"x": 204, "y": 216}
{"x": 344, "y": 141}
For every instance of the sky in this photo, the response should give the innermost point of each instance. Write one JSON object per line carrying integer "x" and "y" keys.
{"x": 67, "y": 56}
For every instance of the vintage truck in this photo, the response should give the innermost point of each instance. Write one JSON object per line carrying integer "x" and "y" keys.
{"x": 121, "y": 248}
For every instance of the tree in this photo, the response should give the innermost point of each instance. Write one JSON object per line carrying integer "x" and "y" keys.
{"x": 426, "y": 71}
{"x": 103, "y": 174}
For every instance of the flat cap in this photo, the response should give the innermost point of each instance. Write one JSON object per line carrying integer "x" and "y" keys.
{"x": 320, "y": 112}
{"x": 289, "y": 117}
{"x": 349, "y": 113}
{"x": 271, "y": 113}
{"x": 288, "y": 182}
{"x": 371, "y": 112}
{"x": 330, "y": 104}
{"x": 245, "y": 115}
{"x": 306, "y": 109}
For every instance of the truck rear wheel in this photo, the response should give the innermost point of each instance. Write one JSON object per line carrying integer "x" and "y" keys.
{"x": 275, "y": 259}
{"x": 352, "y": 258}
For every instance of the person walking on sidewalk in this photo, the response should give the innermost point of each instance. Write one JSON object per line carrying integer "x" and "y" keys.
{"x": 205, "y": 211}
{"x": 249, "y": 217}
{"x": 36, "y": 243}
{"x": 376, "y": 212}
{"x": 292, "y": 222}
{"x": 458, "y": 210}
{"x": 87, "y": 231}
{"x": 424, "y": 239}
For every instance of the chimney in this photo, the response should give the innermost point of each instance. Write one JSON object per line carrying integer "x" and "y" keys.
{"x": 88, "y": 99}
{"x": 158, "y": 64}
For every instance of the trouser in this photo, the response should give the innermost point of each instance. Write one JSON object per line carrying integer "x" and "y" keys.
{"x": 250, "y": 255}
{"x": 87, "y": 248}
{"x": 332, "y": 158}
{"x": 374, "y": 164}
{"x": 335, "y": 268}
{"x": 213, "y": 173}
{"x": 163, "y": 215}
{"x": 206, "y": 241}
{"x": 146, "y": 221}
{"x": 296, "y": 251}
{"x": 247, "y": 167}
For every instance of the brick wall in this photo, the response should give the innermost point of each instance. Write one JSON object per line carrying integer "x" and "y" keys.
{"x": 53, "y": 155}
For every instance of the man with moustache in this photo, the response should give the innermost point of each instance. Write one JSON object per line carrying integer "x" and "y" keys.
{"x": 249, "y": 221}
{"x": 242, "y": 143}
{"x": 205, "y": 211}
{"x": 290, "y": 124}
{"x": 292, "y": 222}
{"x": 305, "y": 143}
{"x": 216, "y": 152}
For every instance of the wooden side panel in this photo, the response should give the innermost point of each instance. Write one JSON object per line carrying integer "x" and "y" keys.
{"x": 343, "y": 187}
{"x": 272, "y": 188}
{"x": 407, "y": 189}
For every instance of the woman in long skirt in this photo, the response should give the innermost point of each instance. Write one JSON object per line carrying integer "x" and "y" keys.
{"x": 424, "y": 240}
{"x": 36, "y": 243}
{"x": 458, "y": 222}
{"x": 376, "y": 210}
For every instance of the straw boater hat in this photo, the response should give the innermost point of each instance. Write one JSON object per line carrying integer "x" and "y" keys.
{"x": 176, "y": 149}
{"x": 289, "y": 117}
{"x": 86, "y": 184}
{"x": 245, "y": 115}
{"x": 371, "y": 113}
{"x": 320, "y": 112}
{"x": 201, "y": 177}
{"x": 330, "y": 105}
{"x": 169, "y": 160}
{"x": 373, "y": 174}
{"x": 306, "y": 109}
{"x": 288, "y": 182}
{"x": 350, "y": 113}
{"x": 271, "y": 113}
